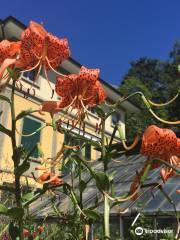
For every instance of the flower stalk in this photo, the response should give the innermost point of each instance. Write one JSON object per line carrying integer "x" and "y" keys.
{"x": 16, "y": 160}
{"x": 106, "y": 200}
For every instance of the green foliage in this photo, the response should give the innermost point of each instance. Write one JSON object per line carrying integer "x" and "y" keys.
{"x": 91, "y": 214}
{"x": 22, "y": 168}
{"x": 13, "y": 231}
{"x": 4, "y": 98}
{"x": 102, "y": 181}
{"x": 13, "y": 212}
{"x": 159, "y": 81}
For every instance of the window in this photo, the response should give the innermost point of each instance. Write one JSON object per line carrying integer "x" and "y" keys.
{"x": 115, "y": 118}
{"x": 88, "y": 151}
{"x": 93, "y": 110}
{"x": 30, "y": 125}
{"x": 30, "y": 76}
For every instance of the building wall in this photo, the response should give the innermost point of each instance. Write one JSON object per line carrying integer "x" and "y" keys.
{"x": 51, "y": 141}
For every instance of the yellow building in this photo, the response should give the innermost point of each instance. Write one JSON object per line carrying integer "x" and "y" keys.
{"x": 51, "y": 141}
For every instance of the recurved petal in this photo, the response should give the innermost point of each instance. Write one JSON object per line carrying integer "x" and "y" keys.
{"x": 95, "y": 94}
{"x": 58, "y": 50}
{"x": 101, "y": 92}
{"x": 50, "y": 178}
{"x": 37, "y": 32}
{"x": 50, "y": 106}
{"x": 89, "y": 74}
{"x": 8, "y": 49}
{"x": 65, "y": 102}
{"x": 44, "y": 177}
{"x": 7, "y": 62}
{"x": 66, "y": 85}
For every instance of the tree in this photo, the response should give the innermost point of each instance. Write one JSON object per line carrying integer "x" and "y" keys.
{"x": 159, "y": 81}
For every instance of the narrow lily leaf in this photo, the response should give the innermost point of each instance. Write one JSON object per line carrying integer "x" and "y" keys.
{"x": 110, "y": 113}
{"x": 13, "y": 231}
{"x": 7, "y": 188}
{"x": 102, "y": 181}
{"x": 100, "y": 112}
{"x": 91, "y": 214}
{"x": 25, "y": 113}
{"x": 3, "y": 209}
{"x": 82, "y": 186}
{"x": 22, "y": 168}
{"x": 121, "y": 132}
{"x": 144, "y": 176}
{"x": 5, "y": 130}
{"x": 15, "y": 212}
{"x": 4, "y": 98}
{"x": 27, "y": 196}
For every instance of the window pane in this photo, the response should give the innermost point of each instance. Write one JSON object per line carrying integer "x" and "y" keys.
{"x": 30, "y": 75}
{"x": 88, "y": 151}
{"x": 30, "y": 125}
{"x": 115, "y": 118}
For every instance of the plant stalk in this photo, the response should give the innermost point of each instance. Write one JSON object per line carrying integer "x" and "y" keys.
{"x": 16, "y": 160}
{"x": 106, "y": 200}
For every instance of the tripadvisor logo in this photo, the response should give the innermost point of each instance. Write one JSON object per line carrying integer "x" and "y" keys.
{"x": 139, "y": 231}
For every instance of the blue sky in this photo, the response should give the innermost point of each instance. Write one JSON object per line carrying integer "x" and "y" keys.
{"x": 103, "y": 33}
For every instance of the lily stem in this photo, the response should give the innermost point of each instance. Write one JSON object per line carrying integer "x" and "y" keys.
{"x": 16, "y": 160}
{"x": 106, "y": 200}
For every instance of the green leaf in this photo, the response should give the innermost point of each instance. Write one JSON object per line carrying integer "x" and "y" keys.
{"x": 111, "y": 175}
{"x": 112, "y": 154}
{"x": 5, "y": 130}
{"x": 145, "y": 174}
{"x": 91, "y": 214}
{"x": 102, "y": 181}
{"x": 3, "y": 209}
{"x": 13, "y": 231}
{"x": 82, "y": 186}
{"x": 16, "y": 212}
{"x": 25, "y": 113}
{"x": 100, "y": 112}
{"x": 4, "y": 98}
{"x": 37, "y": 238}
{"x": 121, "y": 132}
{"x": 27, "y": 196}
{"x": 7, "y": 188}
{"x": 22, "y": 168}
{"x": 110, "y": 113}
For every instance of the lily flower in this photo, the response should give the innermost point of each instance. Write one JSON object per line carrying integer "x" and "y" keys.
{"x": 9, "y": 52}
{"x": 50, "y": 178}
{"x": 40, "y": 49}
{"x": 159, "y": 143}
{"x": 80, "y": 91}
{"x": 50, "y": 106}
{"x": 163, "y": 144}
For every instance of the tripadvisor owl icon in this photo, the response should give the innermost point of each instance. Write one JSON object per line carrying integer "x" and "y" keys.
{"x": 139, "y": 231}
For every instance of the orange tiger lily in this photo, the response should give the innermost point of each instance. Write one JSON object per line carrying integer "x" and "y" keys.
{"x": 50, "y": 178}
{"x": 163, "y": 144}
{"x": 50, "y": 106}
{"x": 80, "y": 91}
{"x": 40, "y": 48}
{"x": 159, "y": 143}
{"x": 9, "y": 52}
